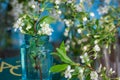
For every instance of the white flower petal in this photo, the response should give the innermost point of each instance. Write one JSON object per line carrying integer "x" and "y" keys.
{"x": 69, "y": 67}
{"x": 68, "y": 72}
{"x": 96, "y": 48}
{"x": 72, "y": 70}
{"x": 69, "y": 76}
{"x": 79, "y": 30}
{"x": 85, "y": 19}
{"x": 92, "y": 14}
{"x": 94, "y": 75}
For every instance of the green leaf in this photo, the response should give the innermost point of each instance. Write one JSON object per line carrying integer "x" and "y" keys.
{"x": 58, "y": 68}
{"x": 64, "y": 57}
{"x": 61, "y": 53}
{"x": 62, "y": 47}
{"x": 97, "y": 22}
{"x": 47, "y": 19}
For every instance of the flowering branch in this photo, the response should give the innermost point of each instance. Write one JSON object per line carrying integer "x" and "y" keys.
{"x": 86, "y": 35}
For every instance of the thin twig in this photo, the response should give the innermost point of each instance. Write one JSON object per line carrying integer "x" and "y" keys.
{"x": 38, "y": 62}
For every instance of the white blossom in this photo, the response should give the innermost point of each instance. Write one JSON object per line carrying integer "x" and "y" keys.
{"x": 96, "y": 48}
{"x": 107, "y": 1}
{"x": 33, "y": 6}
{"x": 22, "y": 24}
{"x": 69, "y": 1}
{"x": 94, "y": 75}
{"x": 21, "y": 30}
{"x": 95, "y": 55}
{"x": 84, "y": 40}
{"x": 81, "y": 76}
{"x": 45, "y": 29}
{"x": 79, "y": 30}
{"x": 39, "y": 32}
{"x": 85, "y": 48}
{"x": 18, "y": 24}
{"x": 81, "y": 1}
{"x": 57, "y": 7}
{"x": 81, "y": 70}
{"x": 88, "y": 35}
{"x": 111, "y": 71}
{"x": 66, "y": 32}
{"x": 100, "y": 68}
{"x": 68, "y": 72}
{"x": 96, "y": 41}
{"x": 33, "y": 3}
{"x": 84, "y": 58}
{"x": 28, "y": 27}
{"x": 118, "y": 78}
{"x": 17, "y": 10}
{"x": 57, "y": 1}
{"x": 59, "y": 12}
{"x": 85, "y": 19}
{"x": 79, "y": 41}
{"x": 103, "y": 10}
{"x": 78, "y": 7}
{"x": 104, "y": 68}
{"x": 55, "y": 14}
{"x": 67, "y": 47}
{"x": 92, "y": 14}
{"x": 68, "y": 42}
{"x": 68, "y": 22}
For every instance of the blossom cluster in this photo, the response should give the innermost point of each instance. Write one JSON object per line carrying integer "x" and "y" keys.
{"x": 26, "y": 25}
{"x": 86, "y": 36}
{"x": 23, "y": 7}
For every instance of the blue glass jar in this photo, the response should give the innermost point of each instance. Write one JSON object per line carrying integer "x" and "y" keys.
{"x": 36, "y": 58}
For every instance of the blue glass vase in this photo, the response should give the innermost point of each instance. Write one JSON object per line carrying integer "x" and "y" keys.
{"x": 35, "y": 57}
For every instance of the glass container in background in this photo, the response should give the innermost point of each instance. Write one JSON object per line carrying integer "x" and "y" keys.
{"x": 36, "y": 58}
